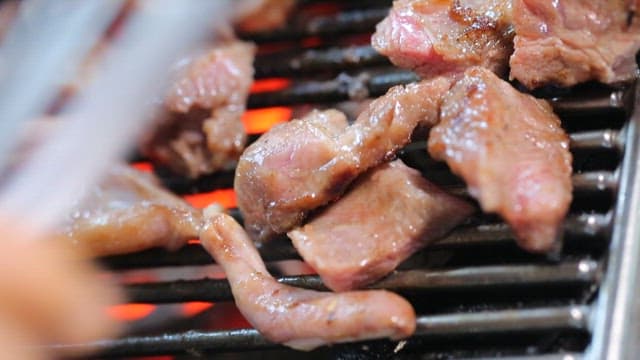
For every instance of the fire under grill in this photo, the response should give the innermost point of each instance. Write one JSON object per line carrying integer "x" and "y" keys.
{"x": 476, "y": 294}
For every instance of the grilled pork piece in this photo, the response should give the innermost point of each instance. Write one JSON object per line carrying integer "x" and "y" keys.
{"x": 513, "y": 154}
{"x": 301, "y": 319}
{"x": 435, "y": 37}
{"x": 261, "y": 15}
{"x": 388, "y": 214}
{"x": 202, "y": 131}
{"x": 298, "y": 166}
{"x": 129, "y": 212}
{"x": 565, "y": 42}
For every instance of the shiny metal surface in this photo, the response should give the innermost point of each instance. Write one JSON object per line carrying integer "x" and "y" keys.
{"x": 616, "y": 329}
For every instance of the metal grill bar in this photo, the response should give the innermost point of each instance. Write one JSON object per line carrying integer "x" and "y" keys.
{"x": 375, "y": 83}
{"x": 598, "y": 139}
{"x": 595, "y": 102}
{"x": 560, "y": 356}
{"x": 586, "y": 181}
{"x": 431, "y": 327}
{"x": 585, "y": 271}
{"x": 332, "y": 59}
{"x": 574, "y": 317}
{"x": 344, "y": 87}
{"x": 581, "y": 225}
{"x": 343, "y": 23}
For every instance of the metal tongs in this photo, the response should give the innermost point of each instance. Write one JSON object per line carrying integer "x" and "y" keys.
{"x": 44, "y": 48}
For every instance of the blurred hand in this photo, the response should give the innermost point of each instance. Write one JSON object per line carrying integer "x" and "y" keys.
{"x": 48, "y": 295}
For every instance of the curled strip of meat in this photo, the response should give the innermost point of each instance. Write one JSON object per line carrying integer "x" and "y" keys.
{"x": 299, "y": 318}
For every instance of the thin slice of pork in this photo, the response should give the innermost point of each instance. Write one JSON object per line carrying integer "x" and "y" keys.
{"x": 512, "y": 152}
{"x": 389, "y": 213}
{"x": 201, "y": 131}
{"x": 436, "y": 37}
{"x": 130, "y": 212}
{"x": 565, "y": 42}
{"x": 298, "y": 166}
{"x": 299, "y": 318}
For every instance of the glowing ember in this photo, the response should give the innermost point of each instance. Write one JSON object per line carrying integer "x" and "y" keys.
{"x": 260, "y": 120}
{"x": 131, "y": 312}
{"x": 224, "y": 197}
{"x": 195, "y": 307}
{"x": 143, "y": 166}
{"x": 272, "y": 84}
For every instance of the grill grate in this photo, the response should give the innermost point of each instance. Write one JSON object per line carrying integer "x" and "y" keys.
{"x": 471, "y": 288}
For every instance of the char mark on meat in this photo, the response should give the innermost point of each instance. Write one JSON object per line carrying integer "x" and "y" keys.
{"x": 200, "y": 132}
{"x": 301, "y": 165}
{"x": 299, "y": 318}
{"x": 130, "y": 212}
{"x": 436, "y": 37}
{"x": 512, "y": 152}
{"x": 565, "y": 42}
{"x": 387, "y": 215}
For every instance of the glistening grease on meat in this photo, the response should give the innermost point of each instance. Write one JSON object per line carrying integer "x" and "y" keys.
{"x": 512, "y": 153}
{"x": 565, "y": 42}
{"x": 130, "y": 212}
{"x": 299, "y": 318}
{"x": 389, "y": 213}
{"x": 201, "y": 132}
{"x": 303, "y": 164}
{"x": 435, "y": 37}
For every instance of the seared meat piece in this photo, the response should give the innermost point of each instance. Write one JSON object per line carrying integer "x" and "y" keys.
{"x": 261, "y": 15}
{"x": 434, "y": 37}
{"x": 129, "y": 212}
{"x": 389, "y": 213}
{"x": 513, "y": 154}
{"x": 565, "y": 42}
{"x": 303, "y": 164}
{"x": 293, "y": 168}
{"x": 202, "y": 131}
{"x": 301, "y": 319}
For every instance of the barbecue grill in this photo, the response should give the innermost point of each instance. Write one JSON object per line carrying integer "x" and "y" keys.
{"x": 476, "y": 294}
